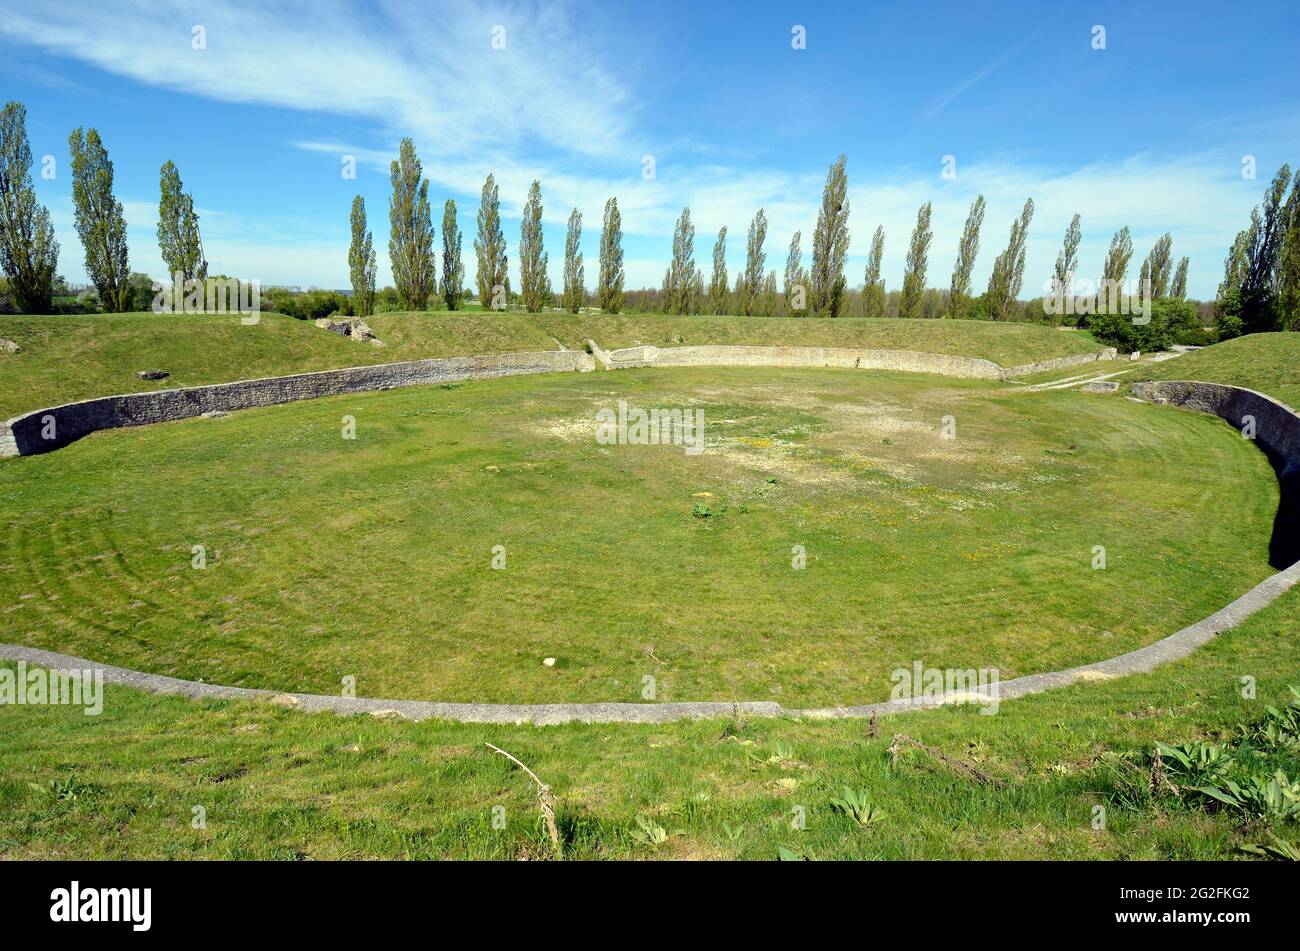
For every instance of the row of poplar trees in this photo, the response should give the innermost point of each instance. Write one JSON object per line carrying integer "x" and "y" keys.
{"x": 821, "y": 292}
{"x": 29, "y": 253}
{"x": 411, "y": 252}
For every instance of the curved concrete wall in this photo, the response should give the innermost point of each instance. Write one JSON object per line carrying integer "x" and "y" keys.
{"x": 27, "y": 434}
{"x": 47, "y": 429}
{"x": 1276, "y": 430}
{"x": 1174, "y": 647}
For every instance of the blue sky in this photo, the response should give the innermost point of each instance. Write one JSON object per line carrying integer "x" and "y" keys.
{"x": 1149, "y": 132}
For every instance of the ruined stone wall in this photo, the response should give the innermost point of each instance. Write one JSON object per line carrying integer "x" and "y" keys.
{"x": 1060, "y": 363}
{"x": 26, "y": 434}
{"x": 906, "y": 361}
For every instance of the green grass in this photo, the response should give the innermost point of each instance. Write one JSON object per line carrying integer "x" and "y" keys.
{"x": 1007, "y": 344}
{"x": 278, "y": 784}
{"x": 370, "y": 558}
{"x": 78, "y": 357}
{"x": 1268, "y": 362}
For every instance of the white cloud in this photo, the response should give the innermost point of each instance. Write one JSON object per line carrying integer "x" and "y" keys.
{"x": 550, "y": 107}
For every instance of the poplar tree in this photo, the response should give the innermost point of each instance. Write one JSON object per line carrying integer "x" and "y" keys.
{"x": 1178, "y": 290}
{"x": 1269, "y": 229}
{"x": 718, "y": 285}
{"x": 1234, "y": 267}
{"x": 575, "y": 290}
{"x": 1009, "y": 268}
{"x": 99, "y": 220}
{"x": 1288, "y": 267}
{"x": 830, "y": 245}
{"x": 535, "y": 285}
{"x": 410, "y": 246}
{"x": 914, "y": 275}
{"x": 793, "y": 277}
{"x": 609, "y": 289}
{"x": 179, "y": 240}
{"x": 1159, "y": 265}
{"x": 361, "y": 261}
{"x": 1115, "y": 269}
{"x": 490, "y": 248}
{"x": 1067, "y": 262}
{"x": 767, "y": 301}
{"x": 682, "y": 273}
{"x": 28, "y": 251}
{"x": 453, "y": 268}
{"x": 967, "y": 250}
{"x": 873, "y": 292}
{"x": 755, "y": 262}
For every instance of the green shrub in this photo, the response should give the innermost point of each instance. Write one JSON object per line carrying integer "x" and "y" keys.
{"x": 1172, "y": 321}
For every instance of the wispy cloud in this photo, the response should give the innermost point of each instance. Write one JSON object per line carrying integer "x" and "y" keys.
{"x": 553, "y": 106}
{"x": 973, "y": 80}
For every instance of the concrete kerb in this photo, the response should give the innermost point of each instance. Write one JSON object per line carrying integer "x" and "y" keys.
{"x": 1174, "y": 647}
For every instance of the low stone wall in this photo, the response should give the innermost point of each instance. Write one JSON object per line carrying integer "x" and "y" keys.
{"x": 907, "y": 361}
{"x": 1060, "y": 363}
{"x": 46, "y": 429}
{"x": 1276, "y": 430}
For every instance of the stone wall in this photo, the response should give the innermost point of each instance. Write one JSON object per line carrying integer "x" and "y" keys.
{"x": 906, "y": 361}
{"x": 1276, "y": 431}
{"x": 26, "y": 434}
{"x": 1060, "y": 363}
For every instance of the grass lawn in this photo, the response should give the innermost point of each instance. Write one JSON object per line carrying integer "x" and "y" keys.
{"x": 370, "y": 557}
{"x": 1269, "y": 363}
{"x": 77, "y": 357}
{"x": 278, "y": 784}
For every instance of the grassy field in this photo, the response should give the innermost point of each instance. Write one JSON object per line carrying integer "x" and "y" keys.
{"x": 1269, "y": 363}
{"x": 277, "y": 784}
{"x": 77, "y": 357}
{"x": 370, "y": 557}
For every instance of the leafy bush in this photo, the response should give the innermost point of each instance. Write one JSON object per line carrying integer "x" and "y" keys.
{"x": 1172, "y": 321}
{"x": 305, "y": 305}
{"x": 1184, "y": 323}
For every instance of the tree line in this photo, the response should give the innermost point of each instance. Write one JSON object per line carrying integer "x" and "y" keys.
{"x": 414, "y": 264}
{"x": 29, "y": 253}
{"x": 1260, "y": 288}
